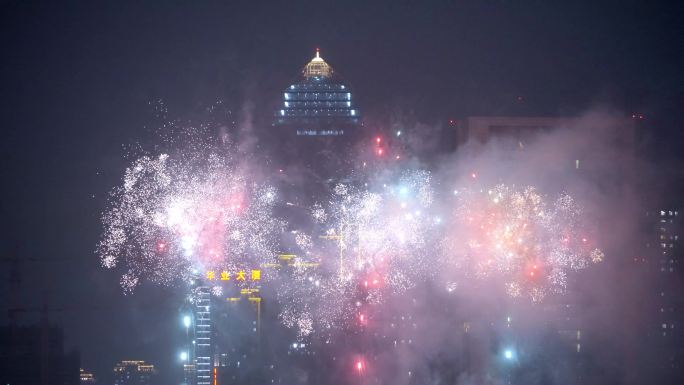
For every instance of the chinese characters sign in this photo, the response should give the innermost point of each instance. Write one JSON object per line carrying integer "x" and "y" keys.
{"x": 241, "y": 275}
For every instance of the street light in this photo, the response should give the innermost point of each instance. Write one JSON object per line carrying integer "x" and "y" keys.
{"x": 509, "y": 354}
{"x": 187, "y": 321}
{"x": 184, "y": 356}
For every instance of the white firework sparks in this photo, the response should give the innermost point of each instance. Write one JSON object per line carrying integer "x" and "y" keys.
{"x": 515, "y": 234}
{"x": 376, "y": 242}
{"x": 177, "y": 215}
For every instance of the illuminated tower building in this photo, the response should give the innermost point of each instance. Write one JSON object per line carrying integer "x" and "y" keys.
{"x": 317, "y": 123}
{"x": 133, "y": 373}
{"x": 663, "y": 328}
{"x": 203, "y": 332}
{"x": 318, "y": 105}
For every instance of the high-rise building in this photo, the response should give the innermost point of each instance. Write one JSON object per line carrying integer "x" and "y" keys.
{"x": 130, "y": 372}
{"x": 223, "y": 333}
{"x": 317, "y": 125}
{"x": 663, "y": 259}
{"x": 318, "y": 104}
{"x": 204, "y": 349}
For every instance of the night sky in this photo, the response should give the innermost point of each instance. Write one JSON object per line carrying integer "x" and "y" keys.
{"x": 77, "y": 79}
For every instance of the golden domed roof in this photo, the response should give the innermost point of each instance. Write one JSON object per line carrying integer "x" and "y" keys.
{"x": 317, "y": 67}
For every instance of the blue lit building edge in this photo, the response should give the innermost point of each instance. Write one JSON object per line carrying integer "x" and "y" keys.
{"x": 318, "y": 105}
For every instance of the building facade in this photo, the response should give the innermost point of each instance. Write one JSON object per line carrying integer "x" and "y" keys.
{"x": 133, "y": 372}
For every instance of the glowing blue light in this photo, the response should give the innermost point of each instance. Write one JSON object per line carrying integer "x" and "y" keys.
{"x": 509, "y": 354}
{"x": 184, "y": 356}
{"x": 186, "y": 321}
{"x": 282, "y": 112}
{"x": 287, "y": 96}
{"x": 398, "y": 133}
{"x": 353, "y": 112}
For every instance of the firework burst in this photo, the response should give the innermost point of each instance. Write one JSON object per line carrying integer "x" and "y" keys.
{"x": 375, "y": 242}
{"x": 515, "y": 234}
{"x": 177, "y": 215}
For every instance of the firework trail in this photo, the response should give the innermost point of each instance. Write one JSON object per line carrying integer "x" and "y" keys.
{"x": 178, "y": 215}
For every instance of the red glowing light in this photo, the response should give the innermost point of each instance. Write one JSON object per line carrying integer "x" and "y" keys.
{"x": 473, "y": 175}
{"x": 377, "y": 140}
{"x": 380, "y": 151}
{"x": 359, "y": 366}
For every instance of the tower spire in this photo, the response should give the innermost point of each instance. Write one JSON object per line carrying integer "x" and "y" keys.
{"x": 317, "y": 67}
